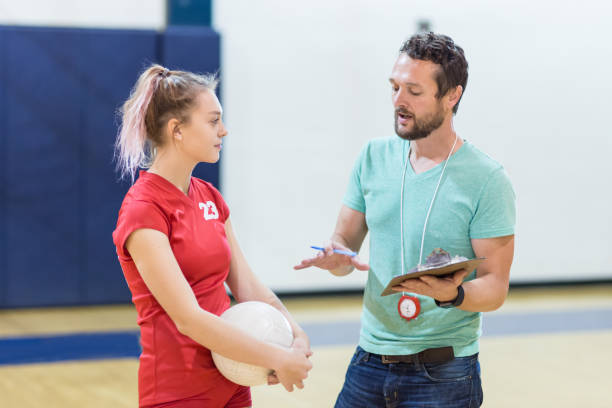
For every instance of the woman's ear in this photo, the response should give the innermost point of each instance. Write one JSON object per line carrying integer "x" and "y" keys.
{"x": 173, "y": 129}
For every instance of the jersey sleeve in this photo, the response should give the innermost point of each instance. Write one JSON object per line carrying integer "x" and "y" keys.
{"x": 224, "y": 211}
{"x": 495, "y": 214}
{"x": 353, "y": 197}
{"x": 138, "y": 215}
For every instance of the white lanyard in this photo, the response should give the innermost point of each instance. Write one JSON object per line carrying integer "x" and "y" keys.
{"x": 428, "y": 211}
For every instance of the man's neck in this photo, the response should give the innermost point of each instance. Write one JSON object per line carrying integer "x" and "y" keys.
{"x": 432, "y": 150}
{"x": 436, "y": 145}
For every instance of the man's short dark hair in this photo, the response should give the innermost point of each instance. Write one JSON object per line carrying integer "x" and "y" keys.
{"x": 442, "y": 50}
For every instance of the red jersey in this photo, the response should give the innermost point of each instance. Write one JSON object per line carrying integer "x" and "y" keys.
{"x": 173, "y": 366}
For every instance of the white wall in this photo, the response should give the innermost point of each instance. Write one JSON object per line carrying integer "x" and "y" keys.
{"x": 138, "y": 14}
{"x": 305, "y": 86}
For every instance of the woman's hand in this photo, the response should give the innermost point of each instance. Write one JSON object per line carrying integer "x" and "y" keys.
{"x": 300, "y": 342}
{"x": 292, "y": 369}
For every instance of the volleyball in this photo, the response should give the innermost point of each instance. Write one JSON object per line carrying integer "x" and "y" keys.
{"x": 263, "y": 322}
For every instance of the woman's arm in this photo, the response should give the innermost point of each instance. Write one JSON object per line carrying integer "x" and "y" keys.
{"x": 155, "y": 261}
{"x": 245, "y": 286}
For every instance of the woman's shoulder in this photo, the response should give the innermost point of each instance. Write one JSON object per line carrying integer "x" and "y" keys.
{"x": 142, "y": 190}
{"x": 146, "y": 195}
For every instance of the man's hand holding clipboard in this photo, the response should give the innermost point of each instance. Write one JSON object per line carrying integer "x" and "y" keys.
{"x": 439, "y": 264}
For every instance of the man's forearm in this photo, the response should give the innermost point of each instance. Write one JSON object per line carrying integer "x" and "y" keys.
{"x": 484, "y": 294}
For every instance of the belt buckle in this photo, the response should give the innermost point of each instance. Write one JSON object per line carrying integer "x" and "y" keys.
{"x": 387, "y": 360}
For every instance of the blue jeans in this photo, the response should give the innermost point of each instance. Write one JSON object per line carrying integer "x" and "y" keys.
{"x": 371, "y": 384}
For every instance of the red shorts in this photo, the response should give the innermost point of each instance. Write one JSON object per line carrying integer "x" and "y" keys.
{"x": 240, "y": 399}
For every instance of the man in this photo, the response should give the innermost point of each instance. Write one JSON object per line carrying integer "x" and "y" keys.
{"x": 452, "y": 196}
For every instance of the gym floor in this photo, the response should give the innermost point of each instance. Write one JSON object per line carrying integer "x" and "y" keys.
{"x": 545, "y": 347}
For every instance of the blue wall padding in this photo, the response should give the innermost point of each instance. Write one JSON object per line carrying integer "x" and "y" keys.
{"x": 3, "y": 159}
{"x": 195, "y": 49}
{"x": 112, "y": 61}
{"x": 60, "y": 90}
{"x": 42, "y": 169}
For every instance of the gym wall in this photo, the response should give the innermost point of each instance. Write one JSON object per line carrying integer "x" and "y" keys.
{"x": 60, "y": 89}
{"x": 306, "y": 85}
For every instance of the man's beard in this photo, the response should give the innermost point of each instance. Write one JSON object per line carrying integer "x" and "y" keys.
{"x": 421, "y": 128}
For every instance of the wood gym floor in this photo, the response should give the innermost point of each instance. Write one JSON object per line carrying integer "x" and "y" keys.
{"x": 543, "y": 348}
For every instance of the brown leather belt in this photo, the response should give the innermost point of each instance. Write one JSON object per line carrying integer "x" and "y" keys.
{"x": 433, "y": 355}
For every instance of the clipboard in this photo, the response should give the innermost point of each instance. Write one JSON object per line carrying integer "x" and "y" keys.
{"x": 435, "y": 270}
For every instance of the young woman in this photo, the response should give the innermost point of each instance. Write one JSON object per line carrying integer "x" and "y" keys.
{"x": 177, "y": 248}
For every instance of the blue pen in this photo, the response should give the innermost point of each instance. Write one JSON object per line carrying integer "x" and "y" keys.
{"x": 338, "y": 251}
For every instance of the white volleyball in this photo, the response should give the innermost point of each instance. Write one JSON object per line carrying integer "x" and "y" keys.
{"x": 263, "y": 322}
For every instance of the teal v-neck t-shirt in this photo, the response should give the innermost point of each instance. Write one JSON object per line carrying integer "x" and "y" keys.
{"x": 475, "y": 200}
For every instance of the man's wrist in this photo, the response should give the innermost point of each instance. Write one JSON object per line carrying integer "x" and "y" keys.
{"x": 456, "y": 302}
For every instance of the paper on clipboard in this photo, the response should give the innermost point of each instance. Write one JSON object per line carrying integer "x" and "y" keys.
{"x": 435, "y": 270}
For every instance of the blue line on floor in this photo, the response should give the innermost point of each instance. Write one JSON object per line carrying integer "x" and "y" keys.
{"x": 90, "y": 346}
{"x": 41, "y": 349}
